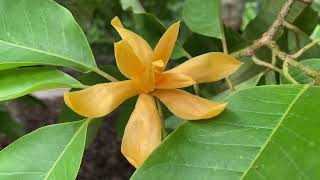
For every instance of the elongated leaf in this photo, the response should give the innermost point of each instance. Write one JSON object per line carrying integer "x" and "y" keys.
{"x": 10, "y": 127}
{"x": 267, "y": 132}
{"x": 204, "y": 17}
{"x": 299, "y": 75}
{"x": 49, "y": 153}
{"x": 41, "y": 32}
{"x": 21, "y": 81}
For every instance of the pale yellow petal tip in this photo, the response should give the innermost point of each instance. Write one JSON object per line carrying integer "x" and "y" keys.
{"x": 116, "y": 22}
{"x": 217, "y": 110}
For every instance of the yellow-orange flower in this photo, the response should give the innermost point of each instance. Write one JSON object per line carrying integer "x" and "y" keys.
{"x": 144, "y": 67}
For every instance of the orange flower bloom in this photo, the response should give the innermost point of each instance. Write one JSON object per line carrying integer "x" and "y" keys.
{"x": 145, "y": 69}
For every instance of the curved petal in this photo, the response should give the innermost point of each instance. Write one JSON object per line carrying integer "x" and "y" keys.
{"x": 173, "y": 81}
{"x": 165, "y": 45}
{"x": 101, "y": 99}
{"x": 127, "y": 61}
{"x": 143, "y": 131}
{"x": 188, "y": 106}
{"x": 208, "y": 67}
{"x": 141, "y": 48}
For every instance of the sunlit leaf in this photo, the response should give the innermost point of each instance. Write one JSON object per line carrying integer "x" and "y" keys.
{"x": 41, "y": 32}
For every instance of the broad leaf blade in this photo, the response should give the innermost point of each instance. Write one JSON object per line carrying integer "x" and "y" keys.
{"x": 41, "y": 32}
{"x": 21, "y": 81}
{"x": 204, "y": 17}
{"x": 267, "y": 132}
{"x": 53, "y": 152}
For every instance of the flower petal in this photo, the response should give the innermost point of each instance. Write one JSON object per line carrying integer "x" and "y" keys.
{"x": 127, "y": 61}
{"x": 100, "y": 99}
{"x": 143, "y": 131}
{"x": 141, "y": 48}
{"x": 173, "y": 81}
{"x": 165, "y": 45}
{"x": 188, "y": 106}
{"x": 208, "y": 67}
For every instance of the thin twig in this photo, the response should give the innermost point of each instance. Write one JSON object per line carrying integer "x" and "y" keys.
{"x": 265, "y": 64}
{"x": 267, "y": 36}
{"x": 286, "y": 73}
{"x": 304, "y": 49}
{"x": 105, "y": 75}
{"x": 286, "y": 57}
{"x": 292, "y": 27}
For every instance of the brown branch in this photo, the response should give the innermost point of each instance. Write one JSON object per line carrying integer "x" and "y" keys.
{"x": 267, "y": 36}
{"x": 287, "y": 58}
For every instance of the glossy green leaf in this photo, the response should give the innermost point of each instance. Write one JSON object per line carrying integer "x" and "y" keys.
{"x": 204, "y": 17}
{"x": 10, "y": 127}
{"x": 298, "y": 75}
{"x": 50, "y": 153}
{"x": 266, "y": 132}
{"x": 21, "y": 81}
{"x": 41, "y": 32}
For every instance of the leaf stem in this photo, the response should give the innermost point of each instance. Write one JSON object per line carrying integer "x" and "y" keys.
{"x": 304, "y": 49}
{"x": 265, "y": 64}
{"x": 105, "y": 75}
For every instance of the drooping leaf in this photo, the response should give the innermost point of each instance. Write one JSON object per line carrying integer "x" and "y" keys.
{"x": 10, "y": 127}
{"x": 299, "y": 75}
{"x": 50, "y": 153}
{"x": 21, "y": 81}
{"x": 266, "y": 132}
{"x": 204, "y": 17}
{"x": 41, "y": 32}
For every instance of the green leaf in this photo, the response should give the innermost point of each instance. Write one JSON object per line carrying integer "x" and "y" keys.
{"x": 298, "y": 75}
{"x": 151, "y": 29}
{"x": 266, "y": 132}
{"x": 21, "y": 81}
{"x": 41, "y": 32}
{"x": 204, "y": 17}
{"x": 10, "y": 127}
{"x": 133, "y": 4}
{"x": 53, "y": 152}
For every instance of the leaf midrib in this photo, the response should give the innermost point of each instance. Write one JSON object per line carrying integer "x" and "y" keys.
{"x": 65, "y": 149}
{"x": 263, "y": 147}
